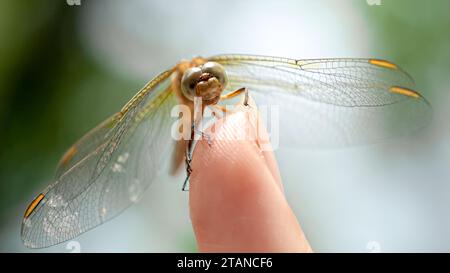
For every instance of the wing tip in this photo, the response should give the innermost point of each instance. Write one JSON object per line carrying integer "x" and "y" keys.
{"x": 33, "y": 205}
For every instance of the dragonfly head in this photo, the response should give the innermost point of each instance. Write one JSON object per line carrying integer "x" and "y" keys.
{"x": 206, "y": 81}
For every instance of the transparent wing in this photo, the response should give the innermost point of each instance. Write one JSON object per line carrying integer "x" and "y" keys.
{"x": 329, "y": 102}
{"x": 91, "y": 141}
{"x": 105, "y": 171}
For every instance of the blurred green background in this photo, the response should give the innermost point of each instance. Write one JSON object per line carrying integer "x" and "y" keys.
{"x": 65, "y": 68}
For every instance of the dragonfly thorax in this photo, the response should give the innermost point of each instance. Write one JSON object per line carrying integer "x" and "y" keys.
{"x": 206, "y": 81}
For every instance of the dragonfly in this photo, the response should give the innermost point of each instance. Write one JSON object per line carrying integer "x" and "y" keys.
{"x": 322, "y": 103}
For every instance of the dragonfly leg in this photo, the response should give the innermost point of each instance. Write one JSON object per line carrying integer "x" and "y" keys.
{"x": 188, "y": 175}
{"x": 233, "y": 93}
{"x": 188, "y": 154}
{"x": 188, "y": 160}
{"x": 237, "y": 93}
{"x": 191, "y": 144}
{"x": 246, "y": 97}
{"x": 205, "y": 136}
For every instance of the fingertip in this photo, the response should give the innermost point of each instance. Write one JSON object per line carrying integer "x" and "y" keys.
{"x": 236, "y": 198}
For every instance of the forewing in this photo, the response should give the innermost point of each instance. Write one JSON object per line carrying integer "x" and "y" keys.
{"x": 328, "y": 103}
{"x": 107, "y": 171}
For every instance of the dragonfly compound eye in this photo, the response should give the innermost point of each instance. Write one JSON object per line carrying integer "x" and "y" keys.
{"x": 206, "y": 81}
{"x": 217, "y": 71}
{"x": 189, "y": 81}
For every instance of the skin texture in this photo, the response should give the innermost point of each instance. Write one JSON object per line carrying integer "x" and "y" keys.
{"x": 237, "y": 201}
